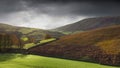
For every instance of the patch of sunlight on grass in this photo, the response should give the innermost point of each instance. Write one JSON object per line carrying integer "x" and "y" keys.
{"x": 28, "y": 45}
{"x": 47, "y": 40}
{"x": 33, "y": 61}
{"x": 24, "y": 39}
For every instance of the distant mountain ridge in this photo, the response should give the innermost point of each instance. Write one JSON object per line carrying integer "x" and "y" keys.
{"x": 90, "y": 23}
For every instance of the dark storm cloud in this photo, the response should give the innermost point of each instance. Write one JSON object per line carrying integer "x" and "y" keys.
{"x": 8, "y": 6}
{"x": 76, "y": 7}
{"x": 62, "y": 7}
{"x": 99, "y": 9}
{"x": 64, "y": 1}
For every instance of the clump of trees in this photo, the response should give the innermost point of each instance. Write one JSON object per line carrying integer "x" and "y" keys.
{"x": 8, "y": 41}
{"x": 5, "y": 41}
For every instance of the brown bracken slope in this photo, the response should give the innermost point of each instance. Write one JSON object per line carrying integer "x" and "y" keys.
{"x": 100, "y": 45}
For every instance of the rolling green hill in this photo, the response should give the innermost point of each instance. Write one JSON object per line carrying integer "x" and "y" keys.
{"x": 37, "y": 34}
{"x": 33, "y": 61}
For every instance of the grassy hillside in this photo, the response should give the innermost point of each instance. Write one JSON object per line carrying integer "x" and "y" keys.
{"x": 90, "y": 23}
{"x": 22, "y": 37}
{"x": 33, "y": 61}
{"x": 37, "y": 34}
{"x": 99, "y": 45}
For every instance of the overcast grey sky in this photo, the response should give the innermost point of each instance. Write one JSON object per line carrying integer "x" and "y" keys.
{"x": 48, "y": 14}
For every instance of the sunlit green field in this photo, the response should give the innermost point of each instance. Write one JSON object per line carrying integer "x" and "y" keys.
{"x": 47, "y": 40}
{"x": 29, "y": 45}
{"x": 33, "y": 61}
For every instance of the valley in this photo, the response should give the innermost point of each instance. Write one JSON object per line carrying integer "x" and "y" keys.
{"x": 94, "y": 43}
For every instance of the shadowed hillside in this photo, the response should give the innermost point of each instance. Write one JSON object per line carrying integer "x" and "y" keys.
{"x": 90, "y": 23}
{"x": 100, "y": 45}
